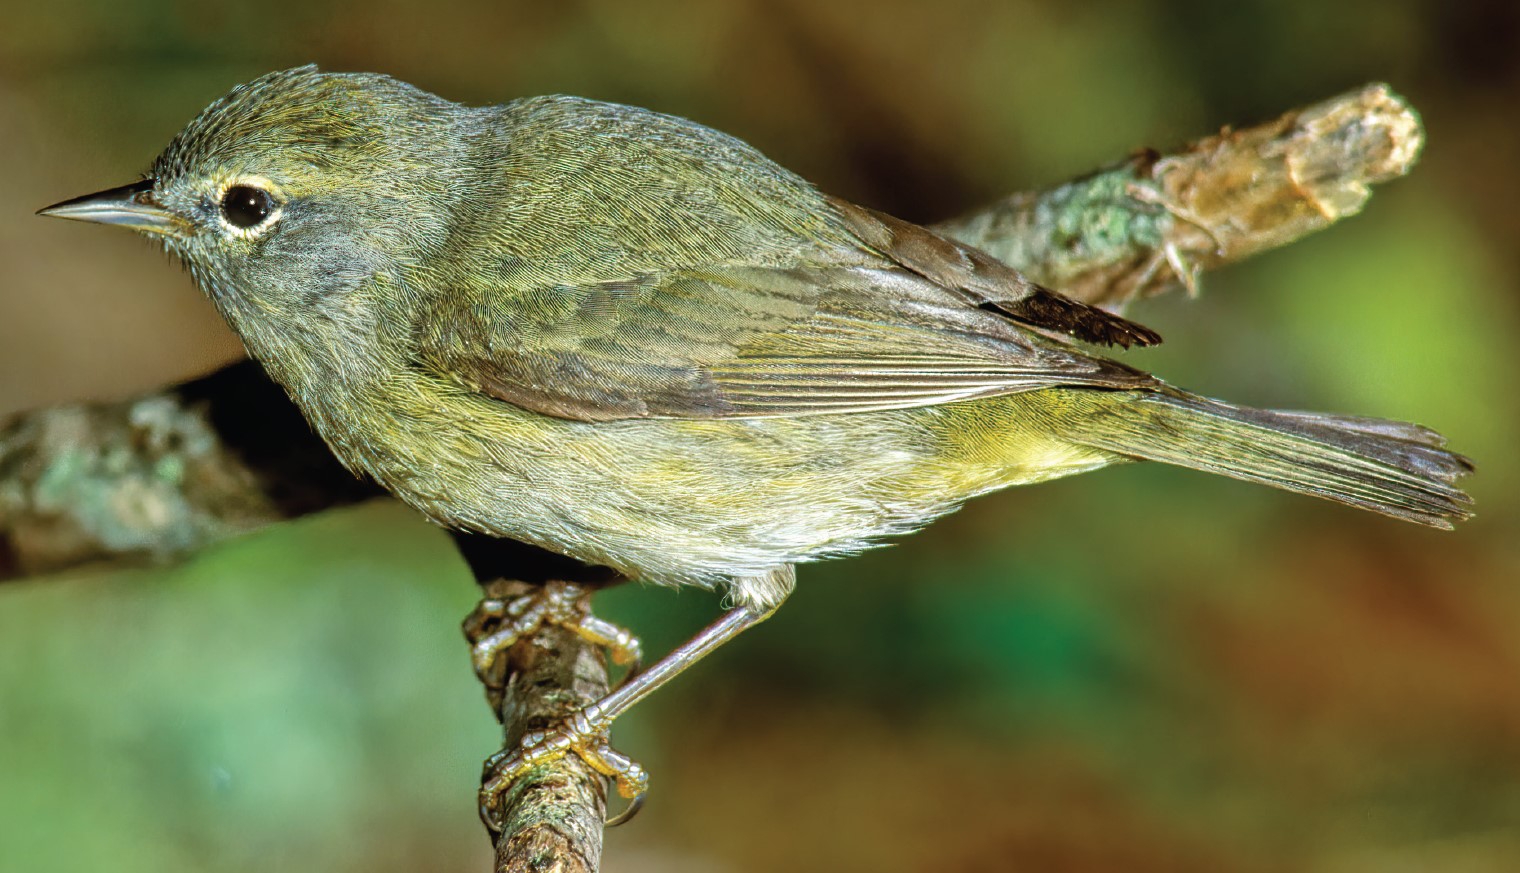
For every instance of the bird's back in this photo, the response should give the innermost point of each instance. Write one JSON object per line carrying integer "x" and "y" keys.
{"x": 569, "y": 190}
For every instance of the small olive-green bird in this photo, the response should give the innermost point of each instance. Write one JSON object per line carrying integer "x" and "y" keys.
{"x": 636, "y": 341}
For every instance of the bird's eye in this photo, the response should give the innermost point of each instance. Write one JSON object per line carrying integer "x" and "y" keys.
{"x": 245, "y": 206}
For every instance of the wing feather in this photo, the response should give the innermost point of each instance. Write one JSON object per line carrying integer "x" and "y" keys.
{"x": 618, "y": 263}
{"x": 745, "y": 342}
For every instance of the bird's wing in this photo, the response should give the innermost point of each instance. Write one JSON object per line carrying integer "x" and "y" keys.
{"x": 986, "y": 282}
{"x": 910, "y": 319}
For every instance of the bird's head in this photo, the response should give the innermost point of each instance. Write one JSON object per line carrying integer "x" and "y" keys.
{"x": 293, "y": 191}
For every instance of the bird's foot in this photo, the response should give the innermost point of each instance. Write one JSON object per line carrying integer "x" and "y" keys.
{"x": 584, "y": 734}
{"x": 496, "y": 625}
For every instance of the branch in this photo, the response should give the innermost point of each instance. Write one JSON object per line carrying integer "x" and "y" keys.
{"x": 156, "y": 478}
{"x": 1144, "y": 225}
{"x": 555, "y": 812}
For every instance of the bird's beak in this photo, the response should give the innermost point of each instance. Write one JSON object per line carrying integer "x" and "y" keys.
{"x": 130, "y": 206}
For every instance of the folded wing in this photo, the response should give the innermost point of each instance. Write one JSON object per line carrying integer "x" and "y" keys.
{"x": 743, "y": 341}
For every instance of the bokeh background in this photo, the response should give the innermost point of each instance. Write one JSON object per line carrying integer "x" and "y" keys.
{"x": 1142, "y": 669}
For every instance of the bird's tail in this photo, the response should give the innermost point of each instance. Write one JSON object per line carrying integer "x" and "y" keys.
{"x": 1398, "y": 469}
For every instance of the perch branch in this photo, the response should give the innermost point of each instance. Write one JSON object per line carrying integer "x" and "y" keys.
{"x": 552, "y": 817}
{"x": 158, "y": 477}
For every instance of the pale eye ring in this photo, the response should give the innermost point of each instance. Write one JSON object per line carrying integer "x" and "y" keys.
{"x": 245, "y": 207}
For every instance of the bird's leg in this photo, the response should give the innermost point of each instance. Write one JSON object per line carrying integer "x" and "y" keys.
{"x": 496, "y": 625}
{"x": 585, "y": 733}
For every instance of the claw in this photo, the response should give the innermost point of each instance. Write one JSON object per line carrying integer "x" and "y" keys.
{"x": 585, "y": 733}
{"x": 629, "y": 811}
{"x": 497, "y": 625}
{"x": 582, "y": 734}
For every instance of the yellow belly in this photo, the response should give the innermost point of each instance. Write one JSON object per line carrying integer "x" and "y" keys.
{"x": 703, "y": 501}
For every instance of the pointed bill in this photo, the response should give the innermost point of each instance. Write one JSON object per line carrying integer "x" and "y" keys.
{"x": 130, "y": 206}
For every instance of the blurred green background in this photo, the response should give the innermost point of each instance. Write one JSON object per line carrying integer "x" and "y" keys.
{"x": 1142, "y": 669}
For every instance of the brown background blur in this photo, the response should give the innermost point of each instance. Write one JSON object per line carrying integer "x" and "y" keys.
{"x": 1142, "y": 669}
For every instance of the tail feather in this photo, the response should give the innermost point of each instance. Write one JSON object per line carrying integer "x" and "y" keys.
{"x": 1398, "y": 469}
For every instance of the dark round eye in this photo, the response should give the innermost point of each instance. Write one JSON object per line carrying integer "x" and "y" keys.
{"x": 246, "y": 206}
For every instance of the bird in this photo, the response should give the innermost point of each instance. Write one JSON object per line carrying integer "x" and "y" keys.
{"x": 635, "y": 340}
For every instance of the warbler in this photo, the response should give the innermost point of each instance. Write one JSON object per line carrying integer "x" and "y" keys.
{"x": 635, "y": 340}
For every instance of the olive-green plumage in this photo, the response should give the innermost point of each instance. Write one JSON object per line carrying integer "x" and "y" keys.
{"x": 637, "y": 341}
